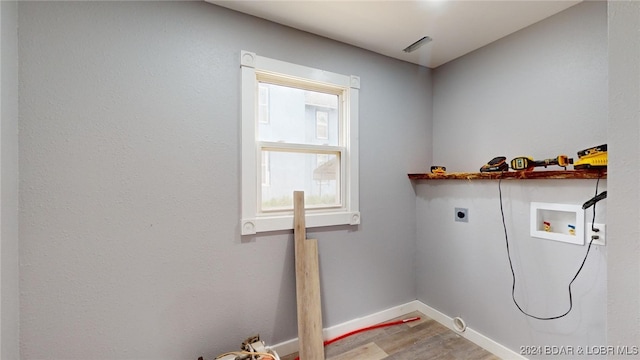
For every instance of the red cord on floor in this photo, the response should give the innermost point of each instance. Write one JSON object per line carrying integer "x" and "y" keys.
{"x": 377, "y": 326}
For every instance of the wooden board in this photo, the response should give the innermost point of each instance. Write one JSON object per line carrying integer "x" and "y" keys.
{"x": 521, "y": 175}
{"x": 310, "y": 336}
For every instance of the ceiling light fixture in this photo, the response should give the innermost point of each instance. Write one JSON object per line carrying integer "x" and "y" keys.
{"x": 413, "y": 47}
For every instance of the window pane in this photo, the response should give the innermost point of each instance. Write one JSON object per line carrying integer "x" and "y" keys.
{"x": 318, "y": 175}
{"x": 263, "y": 104}
{"x": 322, "y": 125}
{"x": 266, "y": 171}
{"x": 292, "y": 115}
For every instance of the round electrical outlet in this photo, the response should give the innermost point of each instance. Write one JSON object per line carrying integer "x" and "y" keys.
{"x": 461, "y": 214}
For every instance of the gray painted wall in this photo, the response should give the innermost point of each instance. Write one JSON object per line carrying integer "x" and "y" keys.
{"x": 539, "y": 92}
{"x": 129, "y": 181}
{"x": 9, "y": 306}
{"x": 623, "y": 315}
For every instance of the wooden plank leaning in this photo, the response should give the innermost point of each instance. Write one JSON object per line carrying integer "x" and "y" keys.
{"x": 307, "y": 286}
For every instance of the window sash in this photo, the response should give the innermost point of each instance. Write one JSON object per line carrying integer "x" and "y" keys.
{"x": 342, "y": 94}
{"x": 337, "y": 151}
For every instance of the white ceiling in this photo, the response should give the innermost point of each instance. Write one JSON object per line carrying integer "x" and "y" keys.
{"x": 387, "y": 27}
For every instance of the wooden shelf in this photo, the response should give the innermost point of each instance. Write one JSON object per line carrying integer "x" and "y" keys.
{"x": 514, "y": 175}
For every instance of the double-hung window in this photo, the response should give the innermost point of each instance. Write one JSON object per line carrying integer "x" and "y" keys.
{"x": 299, "y": 132}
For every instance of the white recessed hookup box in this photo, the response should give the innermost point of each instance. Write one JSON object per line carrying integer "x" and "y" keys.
{"x": 559, "y": 222}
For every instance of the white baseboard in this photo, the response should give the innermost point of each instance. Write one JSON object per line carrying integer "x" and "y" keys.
{"x": 479, "y": 339}
{"x": 291, "y": 346}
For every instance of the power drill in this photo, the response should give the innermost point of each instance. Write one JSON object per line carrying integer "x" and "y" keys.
{"x": 526, "y": 163}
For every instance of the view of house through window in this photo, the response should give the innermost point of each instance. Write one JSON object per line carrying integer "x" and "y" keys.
{"x": 300, "y": 146}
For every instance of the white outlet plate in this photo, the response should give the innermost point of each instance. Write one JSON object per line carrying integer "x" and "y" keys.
{"x": 601, "y": 234}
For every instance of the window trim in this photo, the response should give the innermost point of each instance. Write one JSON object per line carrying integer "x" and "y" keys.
{"x": 252, "y": 221}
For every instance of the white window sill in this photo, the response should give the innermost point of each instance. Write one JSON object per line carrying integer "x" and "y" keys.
{"x": 285, "y": 222}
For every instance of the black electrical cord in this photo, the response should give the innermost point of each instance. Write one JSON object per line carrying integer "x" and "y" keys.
{"x": 595, "y": 199}
{"x": 513, "y": 274}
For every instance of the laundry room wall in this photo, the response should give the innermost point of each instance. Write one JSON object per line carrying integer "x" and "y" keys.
{"x": 9, "y": 307}
{"x": 130, "y": 183}
{"x": 540, "y": 92}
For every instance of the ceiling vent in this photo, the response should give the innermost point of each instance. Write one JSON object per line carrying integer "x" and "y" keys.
{"x": 413, "y": 47}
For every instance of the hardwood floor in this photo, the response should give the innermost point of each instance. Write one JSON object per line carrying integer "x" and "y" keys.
{"x": 422, "y": 339}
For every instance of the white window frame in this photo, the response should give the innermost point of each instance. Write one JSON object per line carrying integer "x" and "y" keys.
{"x": 253, "y": 221}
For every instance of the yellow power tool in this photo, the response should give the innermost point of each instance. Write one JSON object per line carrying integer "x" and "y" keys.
{"x": 592, "y": 158}
{"x": 527, "y": 163}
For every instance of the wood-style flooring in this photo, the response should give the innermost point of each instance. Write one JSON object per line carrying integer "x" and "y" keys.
{"x": 417, "y": 340}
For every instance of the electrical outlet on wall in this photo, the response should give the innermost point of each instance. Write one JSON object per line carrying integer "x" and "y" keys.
{"x": 600, "y": 234}
{"x": 461, "y": 214}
